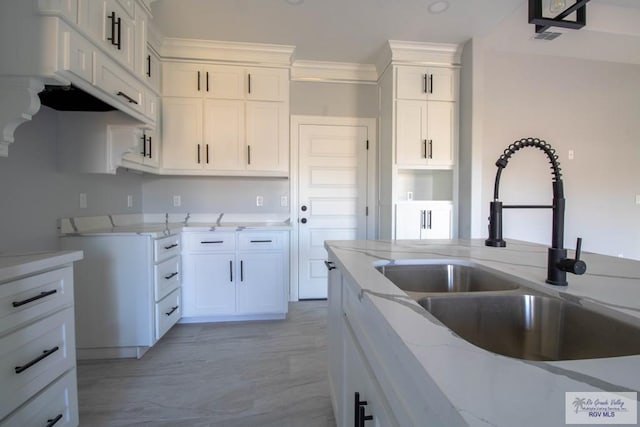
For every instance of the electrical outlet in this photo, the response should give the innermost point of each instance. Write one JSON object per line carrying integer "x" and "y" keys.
{"x": 637, "y": 199}
{"x": 284, "y": 201}
{"x": 259, "y": 201}
{"x": 129, "y": 201}
{"x": 83, "y": 200}
{"x": 570, "y": 155}
{"x": 177, "y": 201}
{"x": 409, "y": 195}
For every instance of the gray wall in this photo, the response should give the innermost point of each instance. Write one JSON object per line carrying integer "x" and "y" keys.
{"x": 35, "y": 194}
{"x": 587, "y": 106}
{"x": 334, "y": 99}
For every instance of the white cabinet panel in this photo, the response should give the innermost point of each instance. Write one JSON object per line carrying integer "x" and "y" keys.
{"x": 224, "y": 134}
{"x": 433, "y": 84}
{"x": 260, "y": 287}
{"x": 181, "y": 133}
{"x": 423, "y": 220}
{"x": 267, "y": 84}
{"x": 209, "y": 286}
{"x": 168, "y": 312}
{"x": 182, "y": 79}
{"x": 267, "y": 138}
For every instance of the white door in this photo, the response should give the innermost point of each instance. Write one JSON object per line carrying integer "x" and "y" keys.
{"x": 332, "y": 197}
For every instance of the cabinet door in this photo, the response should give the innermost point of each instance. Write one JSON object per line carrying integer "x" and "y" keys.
{"x": 223, "y": 82}
{"x": 409, "y": 220}
{"x": 267, "y": 137}
{"x": 209, "y": 284}
{"x": 267, "y": 84}
{"x": 182, "y": 133}
{"x": 112, "y": 26}
{"x": 182, "y": 79}
{"x": 440, "y": 131}
{"x": 224, "y": 134}
{"x": 436, "y": 223}
{"x": 411, "y": 140}
{"x": 433, "y": 84}
{"x": 260, "y": 283}
{"x": 151, "y": 69}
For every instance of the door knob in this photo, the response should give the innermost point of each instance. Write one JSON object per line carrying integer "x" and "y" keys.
{"x": 303, "y": 208}
{"x": 303, "y": 220}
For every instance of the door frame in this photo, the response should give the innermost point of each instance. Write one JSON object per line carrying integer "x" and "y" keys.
{"x": 372, "y": 180}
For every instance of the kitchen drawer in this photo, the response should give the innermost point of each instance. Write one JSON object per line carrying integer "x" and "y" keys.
{"x": 166, "y": 247}
{"x": 26, "y": 299}
{"x": 268, "y": 240}
{"x": 119, "y": 84}
{"x": 59, "y": 401}
{"x": 43, "y": 351}
{"x": 166, "y": 277}
{"x": 209, "y": 242}
{"x": 168, "y": 312}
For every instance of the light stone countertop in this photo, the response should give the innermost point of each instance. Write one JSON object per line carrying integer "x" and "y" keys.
{"x": 13, "y": 266}
{"x": 487, "y": 389}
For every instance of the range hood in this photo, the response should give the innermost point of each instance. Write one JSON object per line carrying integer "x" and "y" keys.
{"x": 71, "y": 98}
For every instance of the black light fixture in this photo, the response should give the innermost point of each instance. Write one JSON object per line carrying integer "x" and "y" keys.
{"x": 559, "y": 7}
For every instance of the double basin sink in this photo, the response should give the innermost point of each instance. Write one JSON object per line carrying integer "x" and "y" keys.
{"x": 494, "y": 311}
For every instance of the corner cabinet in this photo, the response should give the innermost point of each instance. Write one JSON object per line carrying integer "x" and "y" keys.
{"x": 235, "y": 275}
{"x": 419, "y": 143}
{"x": 225, "y": 120}
{"x": 128, "y": 292}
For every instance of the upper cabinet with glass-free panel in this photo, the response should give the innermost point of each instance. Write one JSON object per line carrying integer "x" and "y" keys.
{"x": 426, "y": 83}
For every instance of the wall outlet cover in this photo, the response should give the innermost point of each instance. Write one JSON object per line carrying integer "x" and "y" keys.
{"x": 177, "y": 201}
{"x": 259, "y": 201}
{"x": 83, "y": 200}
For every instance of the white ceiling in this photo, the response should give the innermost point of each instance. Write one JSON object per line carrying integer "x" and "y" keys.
{"x": 346, "y": 30}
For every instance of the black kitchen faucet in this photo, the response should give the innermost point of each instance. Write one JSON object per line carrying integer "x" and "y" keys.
{"x": 557, "y": 262}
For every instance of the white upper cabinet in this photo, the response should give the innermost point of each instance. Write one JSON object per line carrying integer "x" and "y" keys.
{"x": 424, "y": 133}
{"x": 421, "y": 83}
{"x": 225, "y": 82}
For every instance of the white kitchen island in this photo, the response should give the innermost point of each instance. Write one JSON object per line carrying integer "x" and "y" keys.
{"x": 413, "y": 370}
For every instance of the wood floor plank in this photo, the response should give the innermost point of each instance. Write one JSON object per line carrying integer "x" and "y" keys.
{"x": 271, "y": 373}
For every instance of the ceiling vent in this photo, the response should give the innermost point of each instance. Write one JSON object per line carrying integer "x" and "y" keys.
{"x": 547, "y": 35}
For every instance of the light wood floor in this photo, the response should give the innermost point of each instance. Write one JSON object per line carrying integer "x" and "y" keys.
{"x": 218, "y": 374}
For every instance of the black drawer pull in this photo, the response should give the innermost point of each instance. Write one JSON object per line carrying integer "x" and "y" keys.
{"x": 170, "y": 276}
{"x": 171, "y": 246}
{"x": 172, "y": 310}
{"x": 32, "y": 299}
{"x": 330, "y": 265}
{"x": 44, "y": 355}
{"x": 208, "y": 242}
{"x": 127, "y": 97}
{"x": 53, "y": 421}
{"x": 261, "y": 241}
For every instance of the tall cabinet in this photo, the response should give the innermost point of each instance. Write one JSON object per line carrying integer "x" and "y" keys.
{"x": 418, "y": 93}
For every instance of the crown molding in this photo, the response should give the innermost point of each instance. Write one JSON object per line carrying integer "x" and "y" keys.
{"x": 334, "y": 72}
{"x": 218, "y": 51}
{"x": 419, "y": 53}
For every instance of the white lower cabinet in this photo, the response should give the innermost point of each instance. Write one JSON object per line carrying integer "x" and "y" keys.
{"x": 126, "y": 285}
{"x": 234, "y": 275}
{"x": 356, "y": 394}
{"x": 423, "y": 220}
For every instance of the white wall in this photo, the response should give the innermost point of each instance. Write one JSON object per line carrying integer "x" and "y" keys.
{"x": 35, "y": 194}
{"x": 590, "y": 107}
{"x": 334, "y": 99}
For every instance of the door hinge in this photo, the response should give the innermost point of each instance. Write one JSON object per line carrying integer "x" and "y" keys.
{"x": 367, "y": 144}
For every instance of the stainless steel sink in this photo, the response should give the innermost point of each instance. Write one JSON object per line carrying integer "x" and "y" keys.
{"x": 534, "y": 327}
{"x": 417, "y": 280}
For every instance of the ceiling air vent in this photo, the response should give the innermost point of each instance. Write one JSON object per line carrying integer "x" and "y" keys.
{"x": 546, "y": 35}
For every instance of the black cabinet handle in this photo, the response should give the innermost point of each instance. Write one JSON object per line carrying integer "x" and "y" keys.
{"x": 127, "y": 97}
{"x": 357, "y": 404}
{"x": 241, "y": 271}
{"x": 198, "y": 81}
{"x": 198, "y": 150}
{"x": 207, "y": 76}
{"x": 249, "y": 82}
{"x": 53, "y": 421}
{"x": 248, "y": 154}
{"x": 430, "y": 83}
{"x": 430, "y": 148}
{"x": 172, "y": 310}
{"x": 362, "y": 417}
{"x": 429, "y": 219}
{"x": 231, "y": 271}
{"x": 330, "y": 265}
{"x": 423, "y": 219}
{"x": 112, "y": 39}
{"x": 144, "y": 145}
{"x": 208, "y": 242}
{"x": 424, "y": 86}
{"x": 148, "y": 65}
{"x": 45, "y": 354}
{"x": 171, "y": 276}
{"x": 171, "y": 246}
{"x": 150, "y": 146}
{"x": 35, "y": 298}
{"x": 207, "y": 153}
{"x": 119, "y": 24}
{"x": 261, "y": 241}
